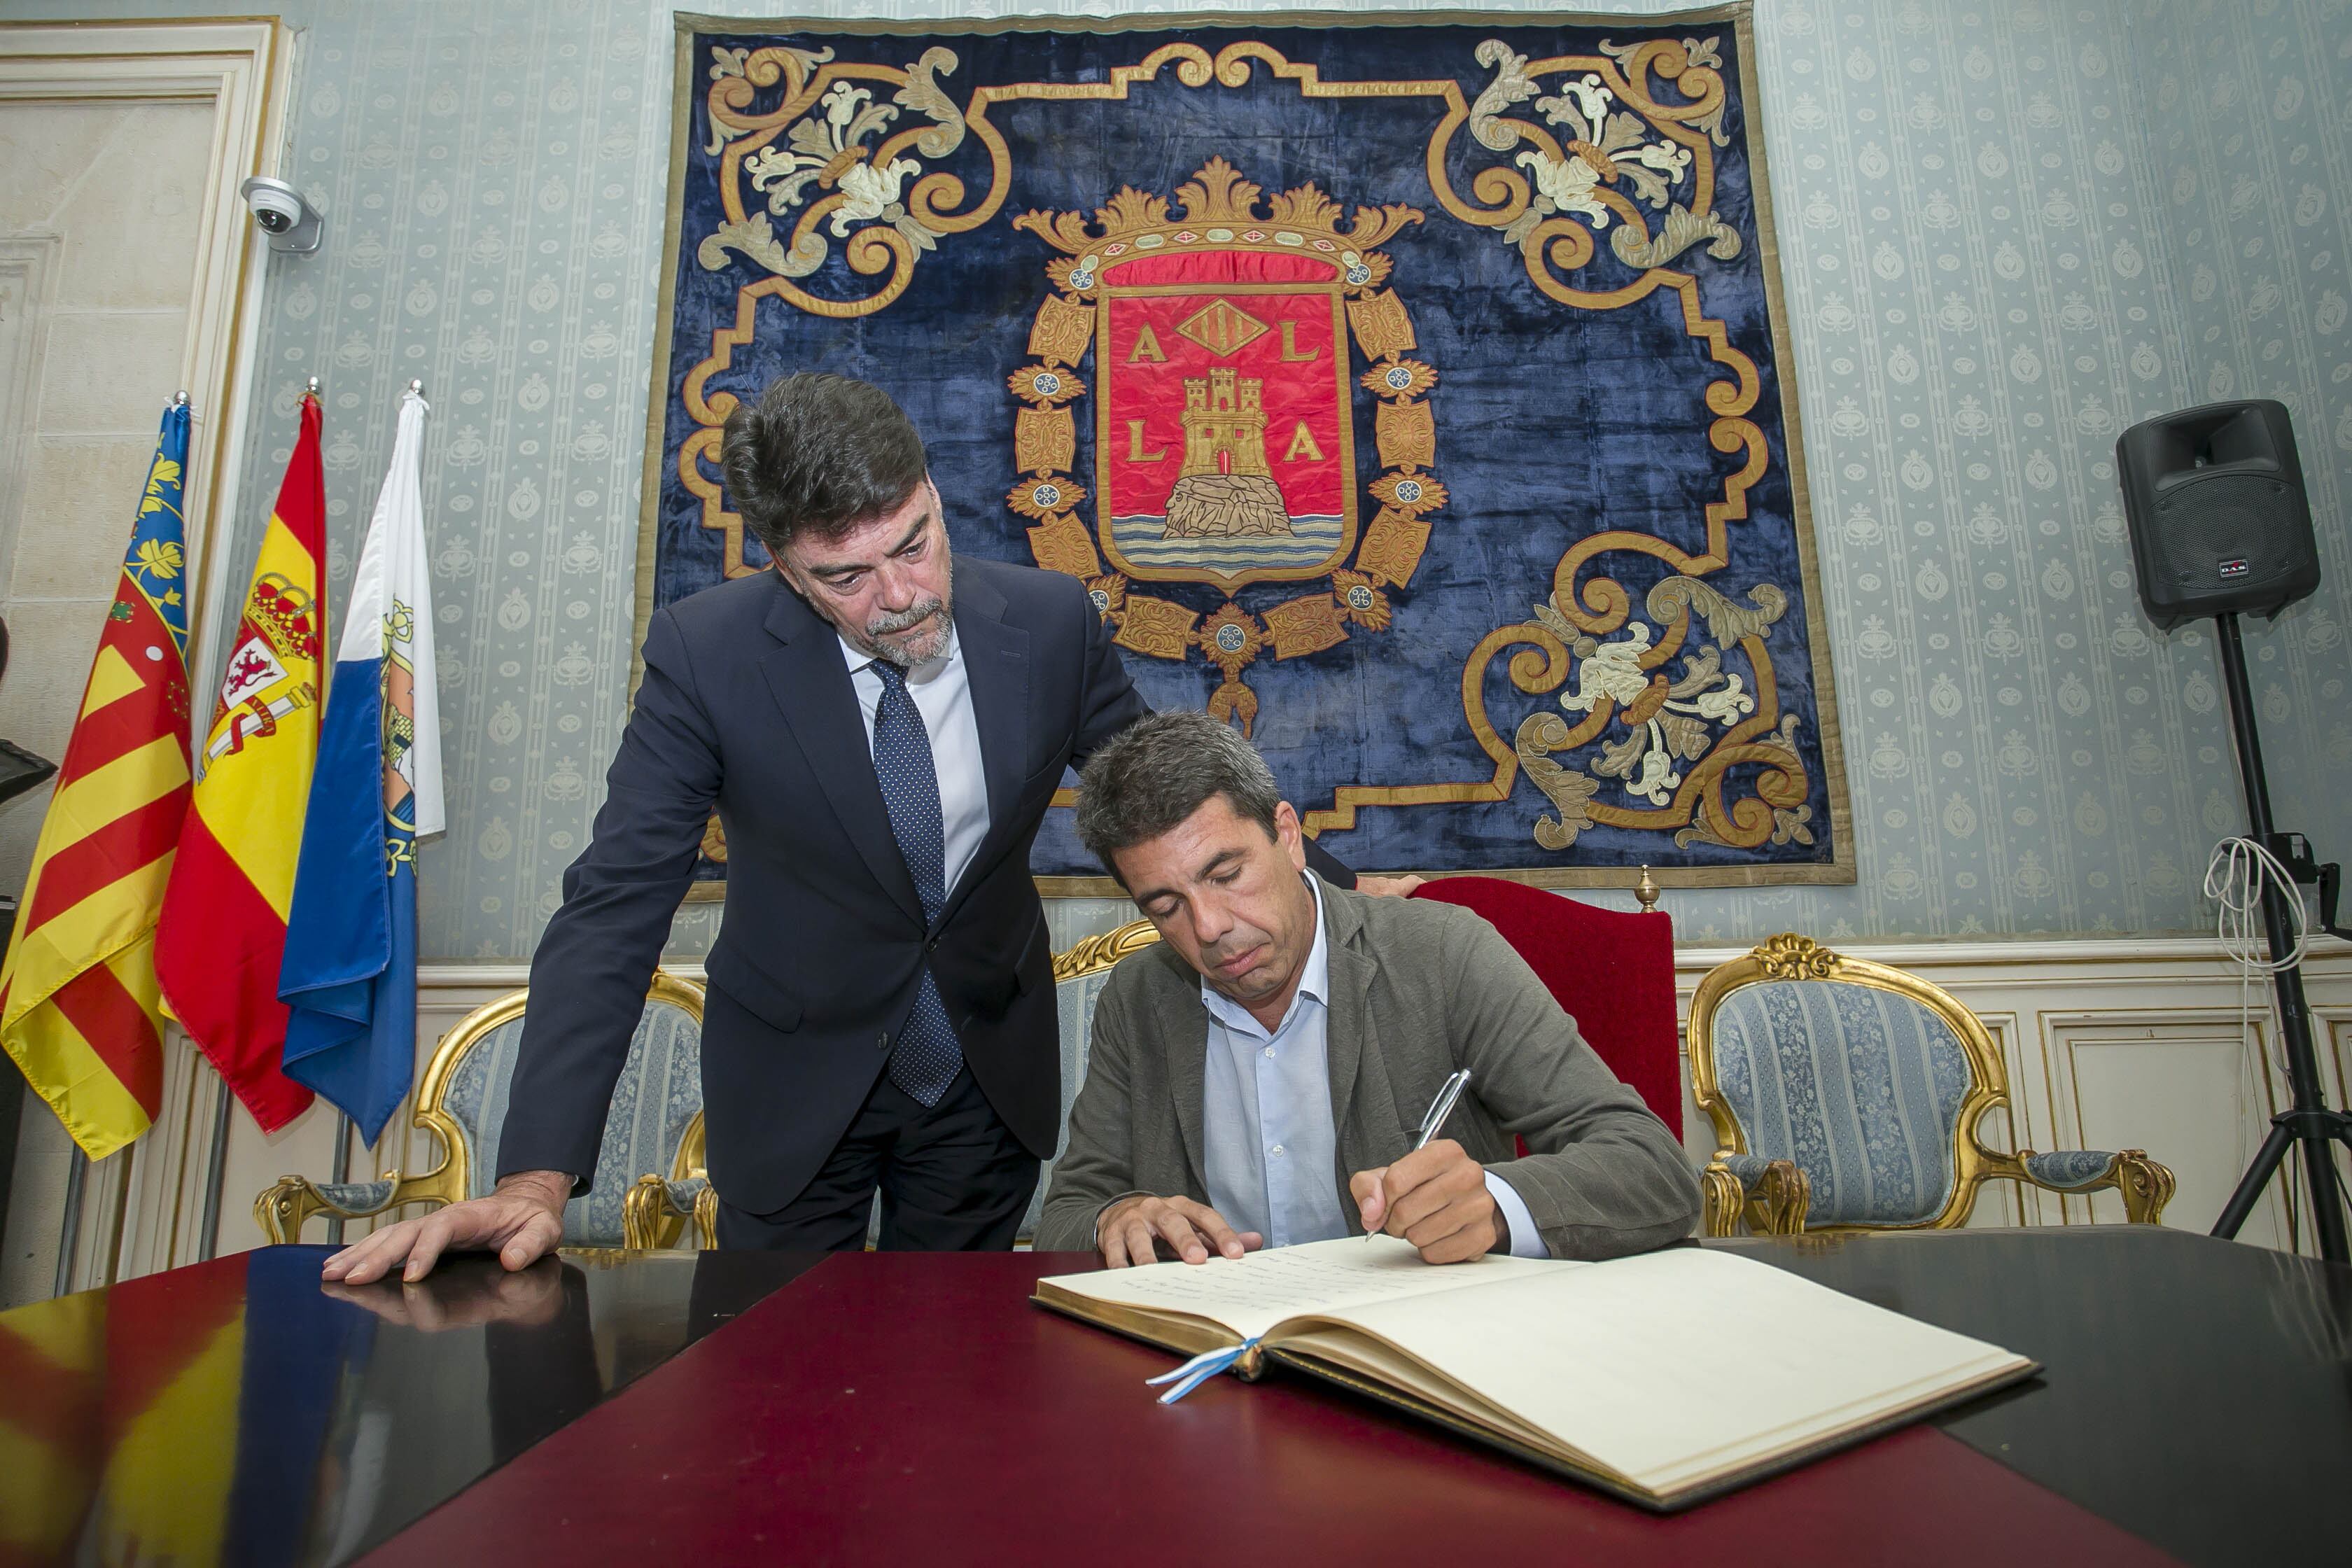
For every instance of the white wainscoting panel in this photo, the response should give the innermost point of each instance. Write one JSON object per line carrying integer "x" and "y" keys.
{"x": 2190, "y": 1083}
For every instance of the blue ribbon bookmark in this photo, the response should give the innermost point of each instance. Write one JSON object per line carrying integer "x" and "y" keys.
{"x": 1199, "y": 1370}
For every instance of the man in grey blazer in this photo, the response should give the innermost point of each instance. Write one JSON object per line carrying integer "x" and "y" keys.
{"x": 1258, "y": 1077}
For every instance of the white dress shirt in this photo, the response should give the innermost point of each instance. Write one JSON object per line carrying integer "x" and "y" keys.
{"x": 941, "y": 689}
{"x": 1272, "y": 1147}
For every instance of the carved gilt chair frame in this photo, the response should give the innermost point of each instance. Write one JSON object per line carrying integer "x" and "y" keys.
{"x": 282, "y": 1209}
{"x": 1774, "y": 1198}
{"x": 1093, "y": 954}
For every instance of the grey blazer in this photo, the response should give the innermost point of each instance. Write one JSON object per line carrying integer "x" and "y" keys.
{"x": 1418, "y": 989}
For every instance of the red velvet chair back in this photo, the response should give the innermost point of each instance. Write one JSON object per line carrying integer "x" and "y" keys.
{"x": 1612, "y": 971}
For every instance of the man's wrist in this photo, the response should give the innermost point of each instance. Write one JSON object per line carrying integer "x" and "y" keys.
{"x": 551, "y": 1188}
{"x": 1104, "y": 1213}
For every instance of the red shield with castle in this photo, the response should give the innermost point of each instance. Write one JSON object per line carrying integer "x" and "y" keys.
{"x": 1227, "y": 344}
{"x": 1224, "y": 448}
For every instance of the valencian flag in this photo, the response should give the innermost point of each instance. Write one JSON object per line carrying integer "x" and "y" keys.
{"x": 79, "y": 1007}
{"x": 350, "y": 974}
{"x": 224, "y": 929}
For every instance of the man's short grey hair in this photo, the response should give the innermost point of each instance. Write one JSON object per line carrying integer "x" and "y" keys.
{"x": 1160, "y": 770}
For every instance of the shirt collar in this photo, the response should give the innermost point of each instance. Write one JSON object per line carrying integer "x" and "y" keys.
{"x": 1314, "y": 981}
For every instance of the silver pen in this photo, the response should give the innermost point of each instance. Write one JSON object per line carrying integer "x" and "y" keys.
{"x": 1439, "y": 1109}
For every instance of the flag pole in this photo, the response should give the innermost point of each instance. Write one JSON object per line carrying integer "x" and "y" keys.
{"x": 216, "y": 1171}
{"x": 342, "y": 1172}
{"x": 77, "y": 1174}
{"x": 217, "y": 1157}
{"x": 342, "y": 1166}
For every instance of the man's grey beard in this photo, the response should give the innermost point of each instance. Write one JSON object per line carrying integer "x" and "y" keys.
{"x": 870, "y": 640}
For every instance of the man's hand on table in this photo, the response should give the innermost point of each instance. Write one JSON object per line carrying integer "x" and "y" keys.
{"x": 1130, "y": 1232}
{"x": 522, "y": 1221}
{"x": 1435, "y": 1198}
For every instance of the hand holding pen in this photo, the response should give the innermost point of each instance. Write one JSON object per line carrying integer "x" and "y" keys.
{"x": 1435, "y": 1197}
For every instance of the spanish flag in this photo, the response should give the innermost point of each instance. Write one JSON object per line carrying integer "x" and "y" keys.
{"x": 79, "y": 1007}
{"x": 223, "y": 934}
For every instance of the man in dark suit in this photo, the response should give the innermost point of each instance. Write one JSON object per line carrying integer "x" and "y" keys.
{"x": 880, "y": 728}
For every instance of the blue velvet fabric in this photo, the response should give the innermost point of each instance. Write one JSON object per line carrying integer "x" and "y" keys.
{"x": 659, "y": 1091}
{"x": 1553, "y": 422}
{"x": 2069, "y": 1168}
{"x": 1862, "y": 1087}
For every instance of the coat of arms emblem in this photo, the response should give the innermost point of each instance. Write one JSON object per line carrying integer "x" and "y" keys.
{"x": 1225, "y": 436}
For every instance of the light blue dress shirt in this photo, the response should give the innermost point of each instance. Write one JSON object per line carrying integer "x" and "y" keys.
{"x": 1271, "y": 1144}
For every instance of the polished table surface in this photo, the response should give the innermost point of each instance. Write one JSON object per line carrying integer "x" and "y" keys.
{"x": 239, "y": 1412}
{"x": 2197, "y": 1406}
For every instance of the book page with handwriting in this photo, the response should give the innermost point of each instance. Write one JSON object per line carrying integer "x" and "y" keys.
{"x": 1251, "y": 1294}
{"x": 1683, "y": 1364}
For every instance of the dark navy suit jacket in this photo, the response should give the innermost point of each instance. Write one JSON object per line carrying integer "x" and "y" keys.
{"x": 747, "y": 708}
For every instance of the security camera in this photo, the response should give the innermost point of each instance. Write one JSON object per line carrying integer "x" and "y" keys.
{"x": 291, "y": 223}
{"x": 275, "y": 210}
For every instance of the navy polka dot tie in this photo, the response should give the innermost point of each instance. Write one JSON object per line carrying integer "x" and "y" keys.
{"x": 926, "y": 1056}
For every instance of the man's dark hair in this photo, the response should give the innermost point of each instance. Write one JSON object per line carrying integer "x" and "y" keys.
{"x": 818, "y": 454}
{"x": 1160, "y": 770}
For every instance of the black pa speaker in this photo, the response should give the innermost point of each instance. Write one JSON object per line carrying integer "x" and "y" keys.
{"x": 2220, "y": 522}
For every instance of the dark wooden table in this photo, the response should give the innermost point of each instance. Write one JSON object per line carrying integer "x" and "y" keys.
{"x": 730, "y": 1408}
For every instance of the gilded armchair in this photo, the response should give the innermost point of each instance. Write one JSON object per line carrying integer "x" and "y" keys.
{"x": 1849, "y": 1095}
{"x": 655, "y": 1125}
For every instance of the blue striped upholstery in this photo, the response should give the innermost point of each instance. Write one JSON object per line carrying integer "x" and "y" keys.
{"x": 1074, "y": 999}
{"x": 2069, "y": 1168}
{"x": 659, "y": 1091}
{"x": 1862, "y": 1087}
{"x": 359, "y": 1197}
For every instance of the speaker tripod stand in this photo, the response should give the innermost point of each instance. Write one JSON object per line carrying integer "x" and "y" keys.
{"x": 2308, "y": 1123}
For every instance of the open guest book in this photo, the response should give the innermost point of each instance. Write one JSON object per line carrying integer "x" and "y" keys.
{"x": 1665, "y": 1379}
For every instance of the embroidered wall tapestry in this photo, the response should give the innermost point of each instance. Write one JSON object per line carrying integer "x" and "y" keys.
{"x": 1411, "y": 396}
